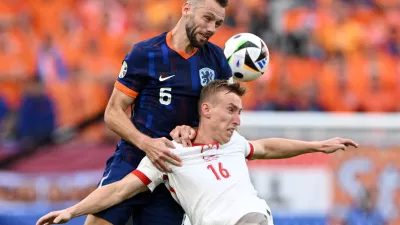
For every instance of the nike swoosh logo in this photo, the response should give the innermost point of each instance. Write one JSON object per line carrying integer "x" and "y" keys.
{"x": 165, "y": 78}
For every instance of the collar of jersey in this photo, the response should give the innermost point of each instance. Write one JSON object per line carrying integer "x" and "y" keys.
{"x": 180, "y": 52}
{"x": 214, "y": 143}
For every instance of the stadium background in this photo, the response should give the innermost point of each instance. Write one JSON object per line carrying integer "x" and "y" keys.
{"x": 334, "y": 71}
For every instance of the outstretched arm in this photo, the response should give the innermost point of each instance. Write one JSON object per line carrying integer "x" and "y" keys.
{"x": 100, "y": 199}
{"x": 109, "y": 195}
{"x": 278, "y": 148}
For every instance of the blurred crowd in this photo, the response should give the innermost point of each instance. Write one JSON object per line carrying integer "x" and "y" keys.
{"x": 334, "y": 56}
{"x": 28, "y": 193}
{"x": 60, "y": 58}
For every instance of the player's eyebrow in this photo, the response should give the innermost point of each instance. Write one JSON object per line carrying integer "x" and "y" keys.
{"x": 212, "y": 13}
{"x": 218, "y": 22}
{"x": 235, "y": 106}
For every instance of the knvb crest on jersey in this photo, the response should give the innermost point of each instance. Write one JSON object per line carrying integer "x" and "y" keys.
{"x": 206, "y": 76}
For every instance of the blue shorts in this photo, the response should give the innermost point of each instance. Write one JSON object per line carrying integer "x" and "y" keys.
{"x": 146, "y": 208}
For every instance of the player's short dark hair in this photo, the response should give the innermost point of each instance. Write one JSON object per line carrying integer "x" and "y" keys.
{"x": 216, "y": 86}
{"x": 222, "y": 3}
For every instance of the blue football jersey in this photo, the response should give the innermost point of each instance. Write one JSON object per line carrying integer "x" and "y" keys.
{"x": 166, "y": 83}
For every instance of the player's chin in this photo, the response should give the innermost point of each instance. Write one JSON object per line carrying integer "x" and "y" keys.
{"x": 199, "y": 43}
{"x": 200, "y": 40}
{"x": 228, "y": 135}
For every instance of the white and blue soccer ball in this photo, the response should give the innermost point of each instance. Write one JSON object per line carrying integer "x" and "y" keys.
{"x": 247, "y": 55}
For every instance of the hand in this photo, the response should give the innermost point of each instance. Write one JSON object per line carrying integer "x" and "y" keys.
{"x": 183, "y": 135}
{"x": 55, "y": 217}
{"x": 157, "y": 149}
{"x": 335, "y": 144}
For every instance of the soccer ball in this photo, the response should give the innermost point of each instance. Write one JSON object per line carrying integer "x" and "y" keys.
{"x": 247, "y": 55}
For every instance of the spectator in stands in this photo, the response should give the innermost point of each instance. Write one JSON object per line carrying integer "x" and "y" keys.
{"x": 261, "y": 24}
{"x": 364, "y": 211}
{"x": 36, "y": 118}
{"x": 50, "y": 62}
{"x": 3, "y": 117}
{"x": 3, "y": 110}
{"x": 393, "y": 44}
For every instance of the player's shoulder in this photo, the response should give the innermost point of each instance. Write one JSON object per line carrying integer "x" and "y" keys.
{"x": 151, "y": 43}
{"x": 236, "y": 135}
{"x": 143, "y": 47}
{"x": 185, "y": 151}
{"x": 211, "y": 48}
{"x": 236, "y": 143}
{"x": 145, "y": 162}
{"x": 236, "y": 138}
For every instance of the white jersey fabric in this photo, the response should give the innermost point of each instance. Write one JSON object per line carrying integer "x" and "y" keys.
{"x": 213, "y": 186}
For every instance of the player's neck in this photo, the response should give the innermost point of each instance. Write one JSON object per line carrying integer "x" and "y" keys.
{"x": 180, "y": 40}
{"x": 204, "y": 136}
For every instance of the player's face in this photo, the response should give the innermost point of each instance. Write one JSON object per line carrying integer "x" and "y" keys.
{"x": 203, "y": 22}
{"x": 225, "y": 116}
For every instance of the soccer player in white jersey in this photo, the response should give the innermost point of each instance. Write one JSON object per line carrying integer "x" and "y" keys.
{"x": 213, "y": 185}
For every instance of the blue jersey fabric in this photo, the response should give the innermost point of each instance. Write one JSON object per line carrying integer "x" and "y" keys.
{"x": 166, "y": 85}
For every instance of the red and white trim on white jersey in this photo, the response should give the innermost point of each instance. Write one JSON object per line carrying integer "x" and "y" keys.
{"x": 171, "y": 189}
{"x": 251, "y": 153}
{"x": 146, "y": 181}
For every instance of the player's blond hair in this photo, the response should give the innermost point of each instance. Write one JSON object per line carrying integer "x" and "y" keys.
{"x": 216, "y": 86}
{"x": 222, "y": 3}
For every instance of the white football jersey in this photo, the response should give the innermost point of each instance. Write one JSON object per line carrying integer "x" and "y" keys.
{"x": 213, "y": 186}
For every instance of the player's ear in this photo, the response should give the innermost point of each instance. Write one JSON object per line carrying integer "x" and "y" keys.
{"x": 186, "y": 9}
{"x": 205, "y": 109}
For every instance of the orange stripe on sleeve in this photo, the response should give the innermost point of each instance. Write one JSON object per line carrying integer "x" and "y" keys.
{"x": 131, "y": 93}
{"x": 146, "y": 181}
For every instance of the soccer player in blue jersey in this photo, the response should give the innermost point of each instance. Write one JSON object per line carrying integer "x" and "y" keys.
{"x": 161, "y": 78}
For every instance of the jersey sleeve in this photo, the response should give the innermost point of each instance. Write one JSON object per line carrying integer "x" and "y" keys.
{"x": 249, "y": 149}
{"x": 242, "y": 143}
{"x": 134, "y": 73}
{"x": 148, "y": 174}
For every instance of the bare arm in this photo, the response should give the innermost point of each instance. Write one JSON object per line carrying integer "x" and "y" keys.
{"x": 100, "y": 199}
{"x": 109, "y": 195}
{"x": 117, "y": 120}
{"x": 278, "y": 148}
